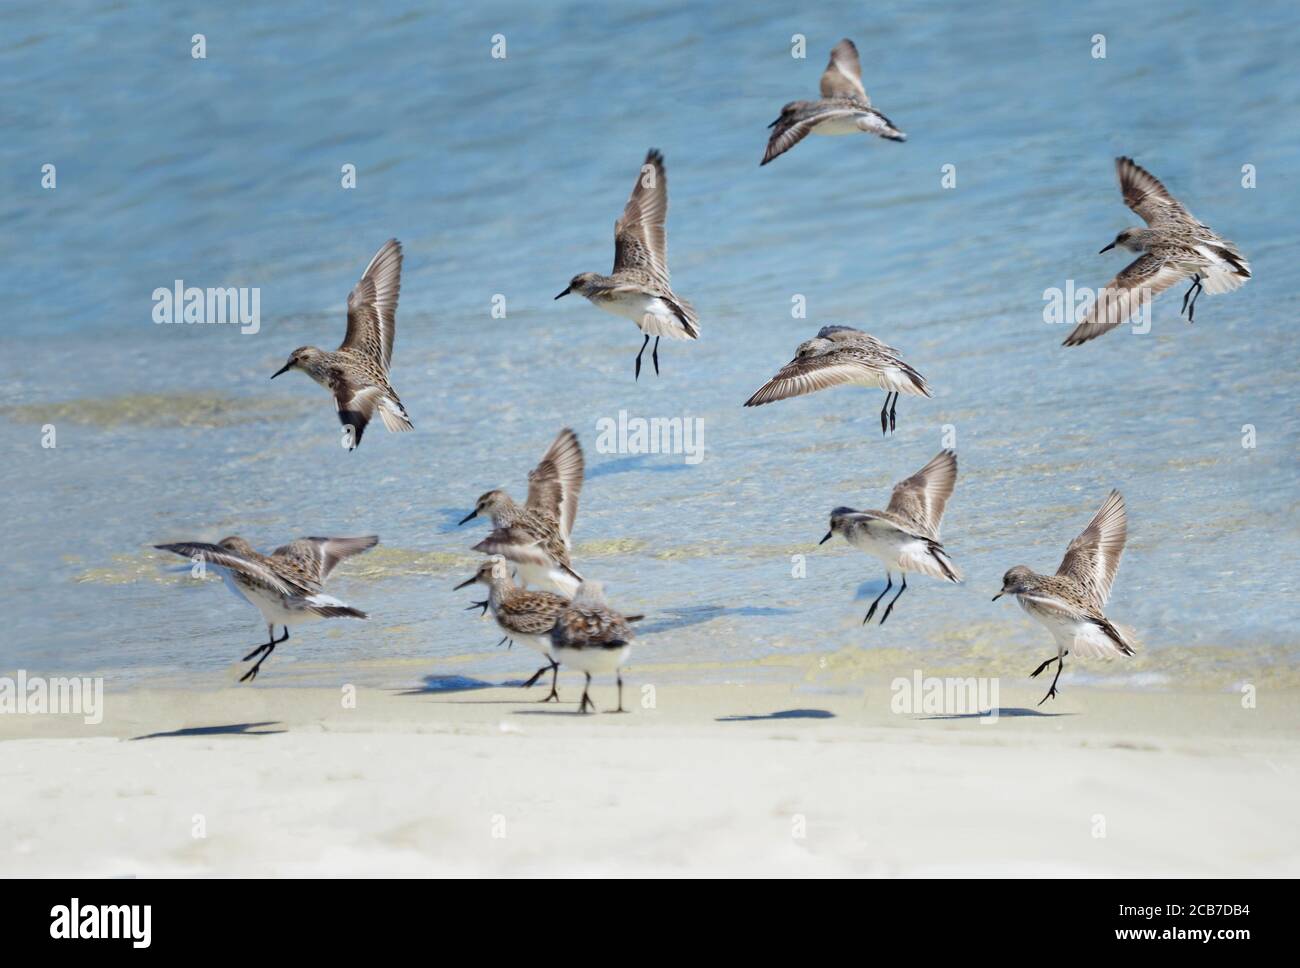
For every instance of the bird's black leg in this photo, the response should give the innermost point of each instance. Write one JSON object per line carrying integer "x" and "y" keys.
{"x": 889, "y": 583}
{"x": 1051, "y": 692}
{"x": 620, "y": 709}
{"x": 586, "y": 700}
{"x": 890, "y": 607}
{"x": 536, "y": 675}
{"x": 1193, "y": 292}
{"x": 892, "y": 408}
{"x": 555, "y": 678}
{"x": 638, "y": 356}
{"x": 483, "y": 605}
{"x": 504, "y": 640}
{"x": 1037, "y": 672}
{"x": 266, "y": 651}
{"x": 1191, "y": 308}
{"x": 884, "y": 416}
{"x": 654, "y": 354}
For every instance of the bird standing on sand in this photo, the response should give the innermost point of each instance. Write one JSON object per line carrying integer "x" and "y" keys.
{"x": 523, "y": 615}
{"x": 905, "y": 536}
{"x": 844, "y": 108}
{"x": 1174, "y": 246}
{"x": 638, "y": 288}
{"x": 284, "y": 585}
{"x": 1070, "y": 602}
{"x": 839, "y": 355}
{"x": 535, "y": 537}
{"x": 592, "y": 637}
{"x": 357, "y": 372}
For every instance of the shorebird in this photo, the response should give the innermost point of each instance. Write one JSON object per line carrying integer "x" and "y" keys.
{"x": 844, "y": 108}
{"x": 1070, "y": 602}
{"x": 592, "y": 637}
{"x": 904, "y": 536}
{"x": 357, "y": 372}
{"x": 284, "y": 585}
{"x": 535, "y": 537}
{"x": 842, "y": 354}
{"x": 523, "y": 615}
{"x": 638, "y": 288}
{"x": 1174, "y": 247}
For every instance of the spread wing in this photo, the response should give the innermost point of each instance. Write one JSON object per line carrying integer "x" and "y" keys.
{"x": 922, "y": 497}
{"x": 515, "y": 544}
{"x": 1139, "y": 282}
{"x": 372, "y": 306}
{"x": 1093, "y": 557}
{"x": 795, "y": 123}
{"x": 317, "y": 557}
{"x": 1144, "y": 193}
{"x": 843, "y": 75}
{"x": 217, "y": 555}
{"x": 554, "y": 484}
{"x": 639, "y": 238}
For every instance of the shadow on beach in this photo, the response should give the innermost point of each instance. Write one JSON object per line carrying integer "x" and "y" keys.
{"x": 233, "y": 729}
{"x": 1012, "y": 713}
{"x": 683, "y": 617}
{"x": 782, "y": 714}
{"x": 435, "y": 685}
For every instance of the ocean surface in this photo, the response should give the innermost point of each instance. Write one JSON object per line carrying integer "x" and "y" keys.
{"x": 503, "y": 177}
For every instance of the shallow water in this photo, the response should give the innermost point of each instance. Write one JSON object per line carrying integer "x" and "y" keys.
{"x": 504, "y": 177}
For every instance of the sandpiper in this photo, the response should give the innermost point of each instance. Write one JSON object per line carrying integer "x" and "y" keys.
{"x": 905, "y": 536}
{"x": 523, "y": 615}
{"x": 638, "y": 288}
{"x": 1070, "y": 602}
{"x": 844, "y": 108}
{"x": 592, "y": 637}
{"x": 284, "y": 585}
{"x": 1174, "y": 246}
{"x": 535, "y": 537}
{"x": 357, "y": 372}
{"x": 842, "y": 354}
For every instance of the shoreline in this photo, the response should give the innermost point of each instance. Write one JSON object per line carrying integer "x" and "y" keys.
{"x": 725, "y": 778}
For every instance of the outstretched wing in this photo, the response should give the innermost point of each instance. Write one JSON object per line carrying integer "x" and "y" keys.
{"x": 843, "y": 75}
{"x": 1137, "y": 284}
{"x": 922, "y": 497}
{"x": 797, "y": 120}
{"x": 640, "y": 241}
{"x": 1093, "y": 557}
{"x": 223, "y": 558}
{"x": 554, "y": 484}
{"x": 1146, "y": 195}
{"x": 317, "y": 557}
{"x": 372, "y": 306}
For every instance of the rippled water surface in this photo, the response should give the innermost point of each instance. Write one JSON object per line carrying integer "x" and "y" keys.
{"x": 503, "y": 178}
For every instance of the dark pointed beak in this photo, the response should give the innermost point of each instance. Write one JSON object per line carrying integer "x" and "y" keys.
{"x": 469, "y": 517}
{"x": 1108, "y": 248}
{"x": 998, "y": 595}
{"x": 567, "y": 290}
{"x": 284, "y": 369}
{"x": 465, "y": 583}
{"x": 828, "y": 537}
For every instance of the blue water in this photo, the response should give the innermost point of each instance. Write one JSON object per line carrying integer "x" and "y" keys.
{"x": 504, "y": 177}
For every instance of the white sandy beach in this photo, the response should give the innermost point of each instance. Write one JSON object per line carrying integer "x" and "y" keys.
{"x": 713, "y": 779}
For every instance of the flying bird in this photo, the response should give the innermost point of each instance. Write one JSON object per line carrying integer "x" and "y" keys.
{"x": 844, "y": 108}
{"x": 1174, "y": 246}
{"x": 638, "y": 288}
{"x": 357, "y": 372}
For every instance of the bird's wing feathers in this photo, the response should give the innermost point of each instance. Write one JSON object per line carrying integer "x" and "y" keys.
{"x": 1093, "y": 557}
{"x": 372, "y": 306}
{"x": 843, "y": 75}
{"x": 554, "y": 484}
{"x": 921, "y": 498}
{"x": 640, "y": 241}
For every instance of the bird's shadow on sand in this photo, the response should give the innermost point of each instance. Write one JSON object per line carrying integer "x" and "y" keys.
{"x": 445, "y": 685}
{"x": 231, "y": 729}
{"x": 659, "y": 463}
{"x": 682, "y": 617}
{"x": 1010, "y": 713}
{"x": 780, "y": 714}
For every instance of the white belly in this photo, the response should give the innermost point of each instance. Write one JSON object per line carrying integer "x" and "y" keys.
{"x": 593, "y": 661}
{"x": 840, "y": 125}
{"x": 886, "y": 544}
{"x": 650, "y": 313}
{"x": 547, "y": 578}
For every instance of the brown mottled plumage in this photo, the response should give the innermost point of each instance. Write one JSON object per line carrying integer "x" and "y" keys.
{"x": 284, "y": 585}
{"x": 357, "y": 372}
{"x": 592, "y": 637}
